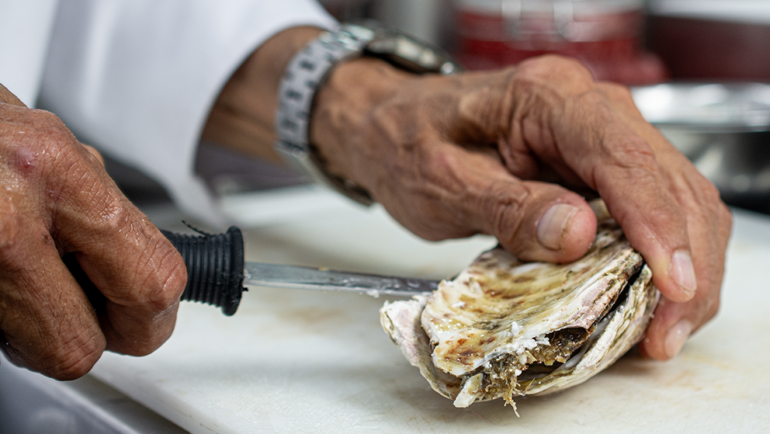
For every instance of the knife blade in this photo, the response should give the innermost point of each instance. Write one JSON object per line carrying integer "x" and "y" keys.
{"x": 216, "y": 273}
{"x": 294, "y": 277}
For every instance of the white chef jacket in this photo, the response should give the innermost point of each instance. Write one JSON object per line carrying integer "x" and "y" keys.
{"x": 138, "y": 77}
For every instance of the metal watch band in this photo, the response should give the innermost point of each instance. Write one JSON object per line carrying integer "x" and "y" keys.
{"x": 310, "y": 67}
{"x": 304, "y": 74}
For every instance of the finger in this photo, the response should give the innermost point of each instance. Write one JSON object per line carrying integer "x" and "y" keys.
{"x": 139, "y": 272}
{"x": 622, "y": 168}
{"x": 709, "y": 225}
{"x": 670, "y": 328}
{"x": 48, "y": 323}
{"x": 659, "y": 232}
{"x": 95, "y": 153}
{"x": 556, "y": 114}
{"x": 469, "y": 192}
{"x": 538, "y": 221}
{"x": 652, "y": 221}
{"x": 134, "y": 266}
{"x": 574, "y": 122}
{"x": 674, "y": 322}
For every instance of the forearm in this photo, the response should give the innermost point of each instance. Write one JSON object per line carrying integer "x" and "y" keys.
{"x": 243, "y": 116}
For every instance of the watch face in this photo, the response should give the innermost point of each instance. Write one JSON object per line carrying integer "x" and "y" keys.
{"x": 412, "y": 55}
{"x": 364, "y": 33}
{"x": 402, "y": 50}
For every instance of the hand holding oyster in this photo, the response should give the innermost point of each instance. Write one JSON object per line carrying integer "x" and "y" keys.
{"x": 503, "y": 328}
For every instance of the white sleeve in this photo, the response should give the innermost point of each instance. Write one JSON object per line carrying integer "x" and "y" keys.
{"x": 25, "y": 29}
{"x": 138, "y": 77}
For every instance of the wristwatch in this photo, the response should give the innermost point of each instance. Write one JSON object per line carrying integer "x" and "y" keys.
{"x": 307, "y": 72}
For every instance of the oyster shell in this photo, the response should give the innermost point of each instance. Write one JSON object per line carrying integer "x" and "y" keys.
{"x": 503, "y": 328}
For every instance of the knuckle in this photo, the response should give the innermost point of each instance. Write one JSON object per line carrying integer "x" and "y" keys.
{"x": 51, "y": 123}
{"x": 708, "y": 191}
{"x": 707, "y": 200}
{"x": 717, "y": 211}
{"x": 157, "y": 283}
{"x": 114, "y": 216}
{"x": 142, "y": 350}
{"x": 633, "y": 152}
{"x": 55, "y": 135}
{"x": 169, "y": 293}
{"x": 10, "y": 246}
{"x": 711, "y": 311}
{"x": 707, "y": 299}
{"x": 504, "y": 211}
{"x": 559, "y": 65}
{"x": 107, "y": 206}
{"x": 557, "y": 69}
{"x": 45, "y": 151}
{"x": 167, "y": 280}
{"x": 616, "y": 91}
{"x": 76, "y": 363}
{"x": 628, "y": 159}
{"x": 154, "y": 341}
{"x": 591, "y": 99}
{"x": 150, "y": 341}
{"x": 144, "y": 336}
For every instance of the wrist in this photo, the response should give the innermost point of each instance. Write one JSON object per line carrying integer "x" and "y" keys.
{"x": 343, "y": 108}
{"x": 330, "y": 111}
{"x": 243, "y": 116}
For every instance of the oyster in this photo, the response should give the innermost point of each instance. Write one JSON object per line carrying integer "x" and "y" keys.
{"x": 504, "y": 328}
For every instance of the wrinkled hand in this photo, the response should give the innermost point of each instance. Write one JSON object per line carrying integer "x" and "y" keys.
{"x": 452, "y": 156}
{"x": 56, "y": 198}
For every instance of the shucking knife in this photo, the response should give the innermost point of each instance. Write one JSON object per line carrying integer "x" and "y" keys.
{"x": 216, "y": 273}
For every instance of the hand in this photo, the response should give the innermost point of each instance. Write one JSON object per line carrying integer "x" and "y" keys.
{"x": 452, "y": 156}
{"x": 56, "y": 198}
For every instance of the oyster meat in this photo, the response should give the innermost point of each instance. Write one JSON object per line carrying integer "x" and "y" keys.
{"x": 503, "y": 328}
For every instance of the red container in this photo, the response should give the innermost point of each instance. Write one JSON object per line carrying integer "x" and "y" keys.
{"x": 605, "y": 35}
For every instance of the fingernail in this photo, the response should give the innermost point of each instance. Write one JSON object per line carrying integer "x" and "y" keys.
{"x": 677, "y": 336}
{"x": 683, "y": 272}
{"x": 551, "y": 226}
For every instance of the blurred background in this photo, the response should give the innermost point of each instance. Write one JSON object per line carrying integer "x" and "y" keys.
{"x": 698, "y": 69}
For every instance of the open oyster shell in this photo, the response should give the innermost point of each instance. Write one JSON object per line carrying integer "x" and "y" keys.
{"x": 503, "y": 328}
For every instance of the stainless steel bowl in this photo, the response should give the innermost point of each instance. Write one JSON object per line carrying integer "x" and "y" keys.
{"x": 724, "y": 128}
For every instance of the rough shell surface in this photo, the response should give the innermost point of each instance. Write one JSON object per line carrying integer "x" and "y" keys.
{"x": 499, "y": 306}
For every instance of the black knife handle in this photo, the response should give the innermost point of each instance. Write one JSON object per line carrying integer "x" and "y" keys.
{"x": 214, "y": 267}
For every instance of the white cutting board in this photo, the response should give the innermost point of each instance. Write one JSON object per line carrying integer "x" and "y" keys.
{"x": 293, "y": 361}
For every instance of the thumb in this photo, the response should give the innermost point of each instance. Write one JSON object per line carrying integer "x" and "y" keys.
{"x": 447, "y": 191}
{"x": 546, "y": 223}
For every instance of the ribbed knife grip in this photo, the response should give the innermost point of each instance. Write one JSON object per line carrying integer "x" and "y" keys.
{"x": 214, "y": 267}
